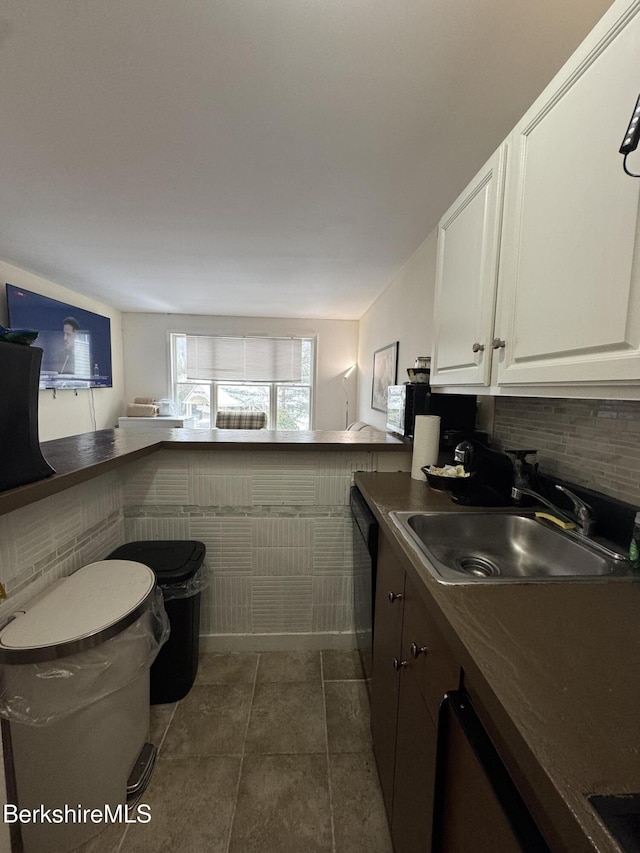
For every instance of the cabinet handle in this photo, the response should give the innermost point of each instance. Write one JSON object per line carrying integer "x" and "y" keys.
{"x": 478, "y": 347}
{"x": 399, "y": 664}
{"x": 394, "y": 596}
{"x": 498, "y": 343}
{"x": 416, "y": 650}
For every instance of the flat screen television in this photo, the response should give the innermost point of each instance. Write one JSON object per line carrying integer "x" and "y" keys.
{"x": 76, "y": 343}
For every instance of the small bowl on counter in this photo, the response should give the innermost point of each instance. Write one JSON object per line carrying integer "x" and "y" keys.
{"x": 450, "y": 478}
{"x": 418, "y": 374}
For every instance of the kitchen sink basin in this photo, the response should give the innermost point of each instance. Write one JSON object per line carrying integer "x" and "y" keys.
{"x": 465, "y": 547}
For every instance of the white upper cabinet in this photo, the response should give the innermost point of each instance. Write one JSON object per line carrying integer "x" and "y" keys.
{"x": 466, "y": 277}
{"x": 568, "y": 288}
{"x": 567, "y": 310}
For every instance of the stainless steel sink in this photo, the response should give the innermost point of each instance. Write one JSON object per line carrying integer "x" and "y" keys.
{"x": 465, "y": 547}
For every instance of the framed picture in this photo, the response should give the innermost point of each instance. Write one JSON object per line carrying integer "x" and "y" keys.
{"x": 385, "y": 373}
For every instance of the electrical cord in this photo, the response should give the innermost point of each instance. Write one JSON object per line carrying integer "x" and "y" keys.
{"x": 92, "y": 409}
{"x": 624, "y": 166}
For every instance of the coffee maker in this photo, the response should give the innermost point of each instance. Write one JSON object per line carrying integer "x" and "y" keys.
{"x": 492, "y": 471}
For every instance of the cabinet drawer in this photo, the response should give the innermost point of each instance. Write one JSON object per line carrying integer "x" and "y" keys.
{"x": 426, "y": 653}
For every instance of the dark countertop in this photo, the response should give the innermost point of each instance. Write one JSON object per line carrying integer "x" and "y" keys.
{"x": 554, "y": 668}
{"x": 81, "y": 457}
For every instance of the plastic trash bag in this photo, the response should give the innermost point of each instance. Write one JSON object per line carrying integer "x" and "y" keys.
{"x": 192, "y": 586}
{"x": 42, "y": 693}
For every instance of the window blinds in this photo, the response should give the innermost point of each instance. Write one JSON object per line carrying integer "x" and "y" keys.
{"x": 250, "y": 359}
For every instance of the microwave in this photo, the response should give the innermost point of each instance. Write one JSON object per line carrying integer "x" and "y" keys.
{"x": 457, "y": 412}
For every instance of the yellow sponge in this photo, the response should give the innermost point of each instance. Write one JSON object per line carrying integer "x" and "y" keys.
{"x": 565, "y": 525}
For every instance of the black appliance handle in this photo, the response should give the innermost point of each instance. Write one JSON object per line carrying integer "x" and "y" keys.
{"x": 522, "y": 823}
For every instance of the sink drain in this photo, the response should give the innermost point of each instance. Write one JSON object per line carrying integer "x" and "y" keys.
{"x": 478, "y": 567}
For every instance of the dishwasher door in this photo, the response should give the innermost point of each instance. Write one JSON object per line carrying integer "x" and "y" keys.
{"x": 477, "y": 806}
{"x": 365, "y": 556}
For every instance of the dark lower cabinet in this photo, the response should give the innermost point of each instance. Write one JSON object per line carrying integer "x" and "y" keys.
{"x": 411, "y": 672}
{"x": 477, "y": 806}
{"x": 385, "y": 680}
{"x": 445, "y": 788}
{"x": 413, "y": 790}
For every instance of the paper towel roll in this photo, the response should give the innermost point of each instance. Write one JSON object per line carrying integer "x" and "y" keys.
{"x": 426, "y": 441}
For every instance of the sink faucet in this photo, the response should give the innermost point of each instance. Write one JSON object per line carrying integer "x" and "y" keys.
{"x": 584, "y": 517}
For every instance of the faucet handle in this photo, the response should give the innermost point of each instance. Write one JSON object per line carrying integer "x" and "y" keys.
{"x": 584, "y": 513}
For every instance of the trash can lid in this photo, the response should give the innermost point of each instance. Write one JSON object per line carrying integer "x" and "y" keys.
{"x": 173, "y": 560}
{"x": 81, "y": 611}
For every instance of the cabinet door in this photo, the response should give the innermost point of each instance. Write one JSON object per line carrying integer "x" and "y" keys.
{"x": 415, "y": 771}
{"x": 569, "y": 284}
{"x": 387, "y": 640}
{"x": 426, "y": 653}
{"x": 466, "y": 277}
{"x": 477, "y": 806}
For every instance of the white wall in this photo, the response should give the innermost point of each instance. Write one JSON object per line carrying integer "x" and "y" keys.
{"x": 403, "y": 312}
{"x": 70, "y": 413}
{"x": 146, "y": 354}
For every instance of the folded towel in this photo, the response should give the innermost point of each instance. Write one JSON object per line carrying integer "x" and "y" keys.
{"x": 138, "y": 410}
{"x": 144, "y": 400}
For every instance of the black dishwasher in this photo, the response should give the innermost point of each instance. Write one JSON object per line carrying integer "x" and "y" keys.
{"x": 477, "y": 806}
{"x": 365, "y": 556}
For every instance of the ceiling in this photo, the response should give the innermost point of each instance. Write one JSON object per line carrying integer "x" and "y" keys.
{"x": 254, "y": 157}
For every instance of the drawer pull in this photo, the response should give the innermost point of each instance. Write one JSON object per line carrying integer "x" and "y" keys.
{"x": 399, "y": 664}
{"x": 478, "y": 347}
{"x": 498, "y": 343}
{"x": 394, "y": 596}
{"x": 416, "y": 650}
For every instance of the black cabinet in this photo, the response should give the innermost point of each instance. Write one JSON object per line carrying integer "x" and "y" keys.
{"x": 412, "y": 670}
{"x": 477, "y": 805}
{"x": 21, "y": 460}
{"x": 444, "y": 785}
{"x": 385, "y": 681}
{"x": 413, "y": 792}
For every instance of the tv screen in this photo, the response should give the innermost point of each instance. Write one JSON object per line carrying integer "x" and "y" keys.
{"x": 76, "y": 344}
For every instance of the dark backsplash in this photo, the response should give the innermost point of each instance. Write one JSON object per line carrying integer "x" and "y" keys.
{"x": 594, "y": 443}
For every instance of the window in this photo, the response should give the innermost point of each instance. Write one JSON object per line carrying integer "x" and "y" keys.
{"x": 240, "y": 374}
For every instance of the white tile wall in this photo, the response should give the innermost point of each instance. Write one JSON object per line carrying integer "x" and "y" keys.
{"x": 229, "y": 543}
{"x": 138, "y": 482}
{"x": 99, "y": 498}
{"x": 332, "y": 545}
{"x": 219, "y": 490}
{"x": 156, "y": 527}
{"x": 276, "y": 525}
{"x": 285, "y": 478}
{"x": 282, "y": 605}
{"x": 53, "y": 538}
{"x": 332, "y": 604}
{"x": 594, "y": 443}
{"x": 293, "y": 561}
{"x": 282, "y": 546}
{"x": 226, "y": 607}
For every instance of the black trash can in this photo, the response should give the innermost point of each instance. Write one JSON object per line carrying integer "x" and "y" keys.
{"x": 175, "y": 563}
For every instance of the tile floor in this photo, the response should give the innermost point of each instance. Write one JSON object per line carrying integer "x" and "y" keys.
{"x": 268, "y": 753}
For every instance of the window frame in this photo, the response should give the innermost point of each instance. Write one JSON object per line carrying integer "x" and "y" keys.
{"x": 273, "y": 387}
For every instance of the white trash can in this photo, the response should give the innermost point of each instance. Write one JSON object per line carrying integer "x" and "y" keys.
{"x": 74, "y": 685}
